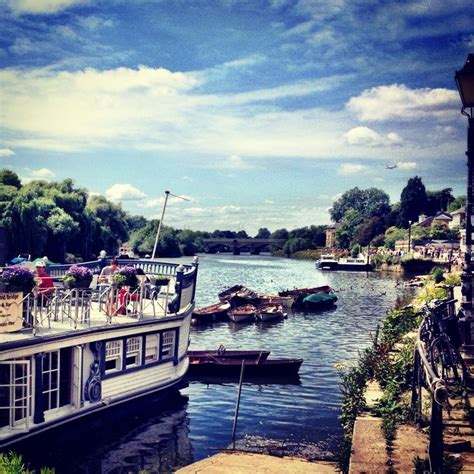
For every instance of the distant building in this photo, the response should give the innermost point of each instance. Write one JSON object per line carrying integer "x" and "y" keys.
{"x": 459, "y": 218}
{"x": 331, "y": 236}
{"x": 443, "y": 218}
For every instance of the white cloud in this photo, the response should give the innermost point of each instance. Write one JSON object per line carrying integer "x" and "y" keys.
{"x": 42, "y": 173}
{"x": 41, "y": 6}
{"x": 234, "y": 162}
{"x": 6, "y": 152}
{"x": 398, "y": 102}
{"x": 124, "y": 192}
{"x": 365, "y": 136}
{"x": 407, "y": 165}
{"x": 349, "y": 169}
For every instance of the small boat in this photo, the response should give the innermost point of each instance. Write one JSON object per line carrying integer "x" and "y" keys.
{"x": 223, "y": 353}
{"x": 242, "y": 313}
{"x": 239, "y": 295}
{"x": 285, "y": 301}
{"x": 319, "y": 301}
{"x": 269, "y": 311}
{"x": 260, "y": 367}
{"x": 212, "y": 313}
{"x": 327, "y": 262}
{"x": 299, "y": 293}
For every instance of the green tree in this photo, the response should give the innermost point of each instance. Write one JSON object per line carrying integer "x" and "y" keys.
{"x": 281, "y": 234}
{"x": 459, "y": 202}
{"x": 392, "y": 234}
{"x": 438, "y": 201}
{"x": 348, "y": 228}
{"x": 413, "y": 201}
{"x": 368, "y": 203}
{"x": 296, "y": 244}
{"x": 9, "y": 178}
{"x": 263, "y": 233}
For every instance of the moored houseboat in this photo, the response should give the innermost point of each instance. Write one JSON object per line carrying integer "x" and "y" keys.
{"x": 83, "y": 350}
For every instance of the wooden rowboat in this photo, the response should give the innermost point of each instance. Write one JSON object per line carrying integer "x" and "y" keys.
{"x": 242, "y": 313}
{"x": 300, "y": 293}
{"x": 205, "y": 355}
{"x": 212, "y": 313}
{"x": 269, "y": 311}
{"x": 258, "y": 367}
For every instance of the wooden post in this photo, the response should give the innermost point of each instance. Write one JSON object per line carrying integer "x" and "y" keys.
{"x": 435, "y": 449}
{"x": 236, "y": 415}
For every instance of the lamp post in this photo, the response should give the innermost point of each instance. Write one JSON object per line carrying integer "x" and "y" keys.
{"x": 465, "y": 83}
{"x": 409, "y": 237}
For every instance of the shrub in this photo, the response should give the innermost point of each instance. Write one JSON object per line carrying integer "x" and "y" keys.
{"x": 437, "y": 273}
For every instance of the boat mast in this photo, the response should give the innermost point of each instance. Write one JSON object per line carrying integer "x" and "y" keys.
{"x": 157, "y": 238}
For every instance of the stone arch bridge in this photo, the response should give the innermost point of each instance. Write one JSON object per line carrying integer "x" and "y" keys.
{"x": 236, "y": 246}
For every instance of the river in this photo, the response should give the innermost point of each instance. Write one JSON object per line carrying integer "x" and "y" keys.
{"x": 292, "y": 418}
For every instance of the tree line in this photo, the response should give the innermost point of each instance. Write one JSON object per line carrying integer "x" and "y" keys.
{"x": 62, "y": 220}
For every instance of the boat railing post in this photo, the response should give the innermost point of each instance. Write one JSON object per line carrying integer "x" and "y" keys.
{"x": 237, "y": 406}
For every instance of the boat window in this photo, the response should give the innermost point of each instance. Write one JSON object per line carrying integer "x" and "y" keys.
{"x": 50, "y": 371}
{"x": 167, "y": 350}
{"x": 133, "y": 352}
{"x": 151, "y": 348}
{"x": 113, "y": 356}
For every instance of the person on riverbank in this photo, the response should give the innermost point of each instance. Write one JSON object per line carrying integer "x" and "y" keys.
{"x": 107, "y": 271}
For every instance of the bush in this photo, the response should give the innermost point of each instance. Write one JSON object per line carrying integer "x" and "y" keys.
{"x": 437, "y": 273}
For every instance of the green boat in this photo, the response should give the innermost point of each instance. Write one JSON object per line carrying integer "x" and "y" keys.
{"x": 318, "y": 301}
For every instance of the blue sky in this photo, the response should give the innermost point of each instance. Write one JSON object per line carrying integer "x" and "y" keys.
{"x": 261, "y": 113}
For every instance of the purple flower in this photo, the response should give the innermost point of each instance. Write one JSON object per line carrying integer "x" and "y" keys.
{"x": 18, "y": 275}
{"x": 79, "y": 273}
{"x": 128, "y": 271}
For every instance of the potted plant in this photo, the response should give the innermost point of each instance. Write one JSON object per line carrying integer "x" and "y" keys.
{"x": 77, "y": 277}
{"x": 126, "y": 276}
{"x": 160, "y": 280}
{"x": 18, "y": 278}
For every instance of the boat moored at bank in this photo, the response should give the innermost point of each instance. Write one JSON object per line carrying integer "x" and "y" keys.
{"x": 82, "y": 350}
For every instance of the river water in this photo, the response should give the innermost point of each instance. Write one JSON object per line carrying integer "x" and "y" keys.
{"x": 300, "y": 417}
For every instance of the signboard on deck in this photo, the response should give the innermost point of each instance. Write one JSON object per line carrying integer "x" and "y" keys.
{"x": 11, "y": 312}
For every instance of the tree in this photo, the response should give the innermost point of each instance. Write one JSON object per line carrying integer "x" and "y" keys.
{"x": 263, "y": 233}
{"x": 368, "y": 203}
{"x": 413, "y": 201}
{"x": 392, "y": 234}
{"x": 369, "y": 229}
{"x": 296, "y": 244}
{"x": 347, "y": 230}
{"x": 281, "y": 234}
{"x": 9, "y": 178}
{"x": 438, "y": 201}
{"x": 458, "y": 202}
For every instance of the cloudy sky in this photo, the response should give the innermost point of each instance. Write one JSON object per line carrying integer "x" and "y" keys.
{"x": 259, "y": 112}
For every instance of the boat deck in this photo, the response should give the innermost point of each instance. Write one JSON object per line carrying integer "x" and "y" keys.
{"x": 73, "y": 311}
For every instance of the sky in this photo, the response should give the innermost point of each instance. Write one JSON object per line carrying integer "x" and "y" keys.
{"x": 260, "y": 113}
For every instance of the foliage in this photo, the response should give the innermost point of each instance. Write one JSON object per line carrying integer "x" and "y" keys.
{"x": 355, "y": 251}
{"x": 368, "y": 230}
{"x": 451, "y": 465}
{"x": 367, "y": 203}
{"x": 438, "y": 274}
{"x": 399, "y": 322}
{"x": 295, "y": 245}
{"x": 263, "y": 233}
{"x": 280, "y": 234}
{"x": 378, "y": 241}
{"x": 429, "y": 292}
{"x": 438, "y": 201}
{"x": 417, "y": 265}
{"x": 12, "y": 463}
{"x": 459, "y": 202}
{"x": 392, "y": 234}
{"x": 9, "y": 178}
{"x": 413, "y": 201}
{"x": 452, "y": 279}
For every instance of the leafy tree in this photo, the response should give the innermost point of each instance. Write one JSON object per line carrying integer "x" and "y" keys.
{"x": 438, "y": 201}
{"x": 457, "y": 203}
{"x": 9, "y": 178}
{"x": 281, "y": 234}
{"x": 413, "y": 201}
{"x": 296, "y": 244}
{"x": 263, "y": 233}
{"x": 369, "y": 229}
{"x": 241, "y": 234}
{"x": 392, "y": 234}
{"x": 368, "y": 203}
{"x": 348, "y": 228}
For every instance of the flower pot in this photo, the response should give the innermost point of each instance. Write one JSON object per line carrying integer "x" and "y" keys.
{"x": 159, "y": 281}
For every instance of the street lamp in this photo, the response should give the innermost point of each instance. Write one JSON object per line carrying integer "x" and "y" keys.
{"x": 409, "y": 237}
{"x": 465, "y": 82}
